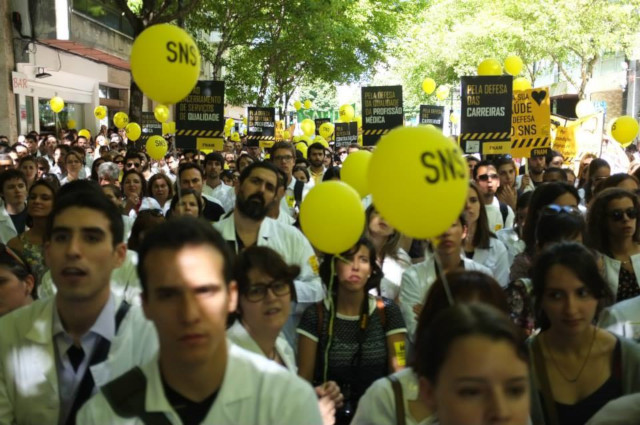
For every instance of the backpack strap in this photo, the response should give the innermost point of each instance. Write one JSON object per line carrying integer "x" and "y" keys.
{"x": 297, "y": 191}
{"x": 126, "y": 395}
{"x": 504, "y": 210}
{"x": 397, "y": 392}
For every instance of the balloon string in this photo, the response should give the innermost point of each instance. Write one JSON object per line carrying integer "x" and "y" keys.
{"x": 443, "y": 277}
{"x": 331, "y": 317}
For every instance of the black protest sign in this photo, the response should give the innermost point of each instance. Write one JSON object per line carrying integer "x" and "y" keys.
{"x": 345, "y": 133}
{"x": 381, "y": 112}
{"x": 432, "y": 114}
{"x": 261, "y": 125}
{"x": 200, "y": 117}
{"x": 486, "y": 114}
{"x": 319, "y": 122}
{"x": 150, "y": 127}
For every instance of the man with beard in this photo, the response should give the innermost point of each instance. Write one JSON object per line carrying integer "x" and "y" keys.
{"x": 249, "y": 225}
{"x": 214, "y": 188}
{"x": 534, "y": 178}
{"x": 315, "y": 154}
{"x": 190, "y": 176}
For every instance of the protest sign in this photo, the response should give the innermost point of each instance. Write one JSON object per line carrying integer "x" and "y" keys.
{"x": 432, "y": 114}
{"x": 531, "y": 123}
{"x": 382, "y": 111}
{"x": 486, "y": 114}
{"x": 319, "y": 122}
{"x": 200, "y": 117}
{"x": 150, "y": 127}
{"x": 261, "y": 124}
{"x": 345, "y": 133}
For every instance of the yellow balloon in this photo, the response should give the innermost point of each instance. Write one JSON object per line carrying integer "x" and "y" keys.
{"x": 235, "y": 137}
{"x": 431, "y": 126}
{"x": 227, "y": 131}
{"x": 354, "y": 171}
{"x": 168, "y": 127}
{"x": 321, "y": 140}
{"x": 133, "y": 131}
{"x": 308, "y": 104}
{"x": 297, "y": 104}
{"x": 165, "y": 63}
{"x": 121, "y": 119}
{"x": 100, "y": 112}
{"x": 624, "y": 129}
{"x": 71, "y": 124}
{"x": 513, "y": 65}
{"x": 306, "y": 139}
{"x": 57, "y": 104}
{"x": 161, "y": 113}
{"x": 358, "y": 120}
{"x": 296, "y": 139}
{"x": 156, "y": 147}
{"x": 332, "y": 217}
{"x": 435, "y": 181}
{"x": 428, "y": 85}
{"x": 85, "y": 133}
{"x": 489, "y": 67}
{"x": 346, "y": 113}
{"x": 326, "y": 129}
{"x": 443, "y": 92}
{"x": 302, "y": 147}
{"x": 584, "y": 108}
{"x": 521, "y": 84}
{"x": 286, "y": 135}
{"x": 308, "y": 127}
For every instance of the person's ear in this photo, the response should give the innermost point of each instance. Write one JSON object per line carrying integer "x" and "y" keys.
{"x": 29, "y": 283}
{"x": 427, "y": 393}
{"x": 233, "y": 296}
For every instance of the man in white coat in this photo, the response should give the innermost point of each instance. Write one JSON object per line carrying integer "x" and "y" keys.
{"x": 249, "y": 225}
{"x": 199, "y": 377}
{"x": 55, "y": 352}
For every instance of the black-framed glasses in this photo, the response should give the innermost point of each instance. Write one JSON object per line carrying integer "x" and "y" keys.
{"x": 618, "y": 214}
{"x": 283, "y": 158}
{"x": 257, "y": 292}
{"x": 485, "y": 177}
{"x": 554, "y": 209}
{"x": 133, "y": 164}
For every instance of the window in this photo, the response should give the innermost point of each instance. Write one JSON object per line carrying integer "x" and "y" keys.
{"x": 106, "y": 12}
{"x": 49, "y": 119}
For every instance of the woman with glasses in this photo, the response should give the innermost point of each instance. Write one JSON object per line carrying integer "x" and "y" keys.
{"x": 577, "y": 368}
{"x": 73, "y": 165}
{"x": 119, "y": 161}
{"x": 480, "y": 244}
{"x": 29, "y": 167}
{"x": 17, "y": 284}
{"x": 614, "y": 232}
{"x": 351, "y": 337}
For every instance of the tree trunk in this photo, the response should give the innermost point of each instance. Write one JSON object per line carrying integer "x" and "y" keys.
{"x": 135, "y": 103}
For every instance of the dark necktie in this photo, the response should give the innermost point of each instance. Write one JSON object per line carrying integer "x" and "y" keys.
{"x": 76, "y": 355}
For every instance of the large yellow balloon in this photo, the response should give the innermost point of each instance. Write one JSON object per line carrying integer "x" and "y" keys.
{"x": 428, "y": 85}
{"x": 354, "y": 171}
{"x": 521, "y": 84}
{"x": 161, "y": 113}
{"x": 100, "y": 112}
{"x": 169, "y": 127}
{"x": 297, "y": 104}
{"x": 332, "y": 217}
{"x": 85, "y": 133}
{"x": 489, "y": 67}
{"x": 156, "y": 147}
{"x": 326, "y": 129}
{"x": 435, "y": 180}
{"x": 443, "y": 92}
{"x": 57, "y": 104}
{"x": 165, "y": 63}
{"x": 308, "y": 104}
{"x": 133, "y": 131}
{"x": 121, "y": 119}
{"x": 308, "y": 127}
{"x": 302, "y": 147}
{"x": 322, "y": 141}
{"x": 346, "y": 113}
{"x": 624, "y": 129}
{"x": 513, "y": 65}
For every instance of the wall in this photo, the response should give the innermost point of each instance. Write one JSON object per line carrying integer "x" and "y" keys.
{"x": 8, "y": 118}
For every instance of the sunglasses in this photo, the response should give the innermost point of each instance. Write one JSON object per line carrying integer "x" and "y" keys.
{"x": 258, "y": 292}
{"x": 119, "y": 162}
{"x": 618, "y": 215}
{"x": 486, "y": 177}
{"x": 554, "y": 209}
{"x": 133, "y": 164}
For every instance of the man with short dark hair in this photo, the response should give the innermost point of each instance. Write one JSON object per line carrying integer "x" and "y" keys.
{"x": 190, "y": 176}
{"x": 56, "y": 352}
{"x": 13, "y": 212}
{"x": 315, "y": 154}
{"x": 499, "y": 215}
{"x": 214, "y": 188}
{"x": 32, "y": 144}
{"x": 133, "y": 161}
{"x": 283, "y": 156}
{"x": 254, "y": 149}
{"x": 527, "y": 182}
{"x": 553, "y": 174}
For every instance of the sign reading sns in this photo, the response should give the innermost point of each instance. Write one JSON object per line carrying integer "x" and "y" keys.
{"x": 531, "y": 123}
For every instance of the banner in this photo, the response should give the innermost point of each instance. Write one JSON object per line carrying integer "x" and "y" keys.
{"x": 486, "y": 114}
{"x": 200, "y": 117}
{"x": 565, "y": 143}
{"x": 345, "y": 133}
{"x": 279, "y": 134}
{"x": 150, "y": 127}
{"x": 432, "y": 114}
{"x": 382, "y": 111}
{"x": 332, "y": 114}
{"x": 261, "y": 124}
{"x": 531, "y": 123}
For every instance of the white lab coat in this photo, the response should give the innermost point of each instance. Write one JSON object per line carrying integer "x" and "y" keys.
{"x": 7, "y": 229}
{"x": 509, "y": 237}
{"x": 623, "y": 318}
{"x": 124, "y": 281}
{"x": 28, "y": 375}
{"x": 494, "y": 216}
{"x": 238, "y": 335}
{"x": 496, "y": 258}
{"x": 254, "y": 391}
{"x": 416, "y": 281}
{"x": 378, "y": 404}
{"x": 294, "y": 248}
{"x": 223, "y": 193}
{"x": 612, "y": 271}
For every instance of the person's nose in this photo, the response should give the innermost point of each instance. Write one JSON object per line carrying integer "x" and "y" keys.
{"x": 74, "y": 246}
{"x": 190, "y": 311}
{"x": 498, "y": 407}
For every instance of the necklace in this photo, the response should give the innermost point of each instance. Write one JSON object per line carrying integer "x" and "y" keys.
{"x": 586, "y": 359}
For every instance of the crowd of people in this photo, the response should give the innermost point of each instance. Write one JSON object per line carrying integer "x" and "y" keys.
{"x": 182, "y": 291}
